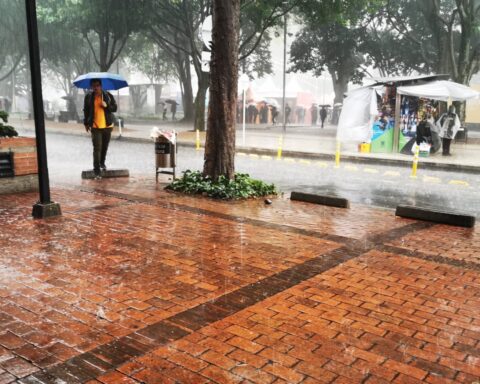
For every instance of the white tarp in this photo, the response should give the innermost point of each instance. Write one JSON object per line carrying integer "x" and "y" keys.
{"x": 358, "y": 112}
{"x": 440, "y": 90}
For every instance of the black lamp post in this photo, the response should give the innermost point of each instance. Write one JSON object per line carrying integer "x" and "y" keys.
{"x": 45, "y": 207}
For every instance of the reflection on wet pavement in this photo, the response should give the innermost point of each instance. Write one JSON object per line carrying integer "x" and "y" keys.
{"x": 133, "y": 284}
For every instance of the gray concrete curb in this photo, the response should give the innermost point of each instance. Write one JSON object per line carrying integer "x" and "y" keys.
{"x": 437, "y": 216}
{"x": 353, "y": 159}
{"x": 331, "y": 201}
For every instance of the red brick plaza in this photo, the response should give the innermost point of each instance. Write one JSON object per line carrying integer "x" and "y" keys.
{"x": 136, "y": 285}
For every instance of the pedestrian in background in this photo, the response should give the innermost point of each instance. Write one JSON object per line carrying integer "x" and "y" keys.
{"x": 288, "y": 110}
{"x": 98, "y": 109}
{"x": 323, "y": 115}
{"x": 274, "y": 115}
{"x": 255, "y": 115}
{"x": 173, "y": 109}
{"x": 314, "y": 113}
{"x": 264, "y": 114}
{"x": 448, "y": 124}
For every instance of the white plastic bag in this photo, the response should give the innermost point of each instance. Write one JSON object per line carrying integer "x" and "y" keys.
{"x": 169, "y": 135}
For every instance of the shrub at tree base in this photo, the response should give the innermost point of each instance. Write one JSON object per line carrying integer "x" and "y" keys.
{"x": 241, "y": 187}
{"x": 6, "y": 130}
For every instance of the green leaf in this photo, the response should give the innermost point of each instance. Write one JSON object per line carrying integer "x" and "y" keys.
{"x": 240, "y": 187}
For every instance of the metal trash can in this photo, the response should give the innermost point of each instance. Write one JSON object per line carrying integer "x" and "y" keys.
{"x": 165, "y": 156}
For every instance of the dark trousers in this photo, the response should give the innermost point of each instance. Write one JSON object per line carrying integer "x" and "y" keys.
{"x": 446, "y": 146}
{"x": 100, "y": 140}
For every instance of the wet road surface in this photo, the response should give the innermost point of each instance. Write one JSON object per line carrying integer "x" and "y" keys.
{"x": 376, "y": 185}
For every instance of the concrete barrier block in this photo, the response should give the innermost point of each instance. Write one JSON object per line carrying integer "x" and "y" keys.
{"x": 109, "y": 173}
{"x": 437, "y": 216}
{"x": 331, "y": 201}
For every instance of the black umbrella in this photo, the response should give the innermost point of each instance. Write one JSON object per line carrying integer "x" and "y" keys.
{"x": 170, "y": 101}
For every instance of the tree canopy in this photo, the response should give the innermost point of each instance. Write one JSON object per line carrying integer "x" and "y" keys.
{"x": 13, "y": 44}
{"x": 395, "y": 37}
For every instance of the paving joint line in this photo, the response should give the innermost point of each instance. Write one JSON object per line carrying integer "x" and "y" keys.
{"x": 238, "y": 219}
{"x": 471, "y": 265}
{"x": 348, "y": 241}
{"x": 110, "y": 356}
{"x": 378, "y": 239}
{"x": 107, "y": 357}
{"x": 98, "y": 207}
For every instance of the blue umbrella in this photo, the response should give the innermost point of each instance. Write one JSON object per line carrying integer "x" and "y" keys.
{"x": 110, "y": 81}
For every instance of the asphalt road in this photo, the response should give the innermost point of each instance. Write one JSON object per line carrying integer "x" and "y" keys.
{"x": 377, "y": 185}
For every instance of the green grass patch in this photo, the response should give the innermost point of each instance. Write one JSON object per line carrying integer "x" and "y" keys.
{"x": 241, "y": 187}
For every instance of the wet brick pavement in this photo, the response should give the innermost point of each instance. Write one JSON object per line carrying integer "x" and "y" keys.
{"x": 136, "y": 285}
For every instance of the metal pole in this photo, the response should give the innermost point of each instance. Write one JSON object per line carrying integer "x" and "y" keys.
{"x": 244, "y": 106}
{"x": 398, "y": 117}
{"x": 45, "y": 207}
{"x": 118, "y": 93}
{"x": 284, "y": 70}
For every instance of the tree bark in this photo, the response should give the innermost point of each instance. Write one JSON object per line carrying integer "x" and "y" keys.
{"x": 200, "y": 99}
{"x": 185, "y": 77}
{"x": 158, "y": 98}
{"x": 340, "y": 86}
{"x": 220, "y": 143}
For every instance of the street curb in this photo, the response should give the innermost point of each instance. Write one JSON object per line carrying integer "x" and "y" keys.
{"x": 436, "y": 216}
{"x": 313, "y": 156}
{"x": 331, "y": 201}
{"x": 359, "y": 159}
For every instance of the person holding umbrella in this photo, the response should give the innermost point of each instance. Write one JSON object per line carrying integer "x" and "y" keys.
{"x": 98, "y": 109}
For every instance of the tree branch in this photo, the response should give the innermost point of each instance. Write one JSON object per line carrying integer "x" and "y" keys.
{"x": 15, "y": 65}
{"x": 92, "y": 49}
{"x": 451, "y": 44}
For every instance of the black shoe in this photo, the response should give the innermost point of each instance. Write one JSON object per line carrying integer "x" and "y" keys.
{"x": 103, "y": 167}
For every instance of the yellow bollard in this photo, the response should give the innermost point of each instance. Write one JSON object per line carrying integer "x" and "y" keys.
{"x": 197, "y": 147}
{"x": 415, "y": 163}
{"x": 280, "y": 145}
{"x": 337, "y": 155}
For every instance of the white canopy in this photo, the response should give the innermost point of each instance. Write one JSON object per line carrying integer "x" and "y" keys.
{"x": 440, "y": 90}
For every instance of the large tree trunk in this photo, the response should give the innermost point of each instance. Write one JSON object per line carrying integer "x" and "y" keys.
{"x": 103, "y": 45}
{"x": 185, "y": 76}
{"x": 340, "y": 86}
{"x": 220, "y": 144}
{"x": 188, "y": 111}
{"x": 200, "y": 99}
